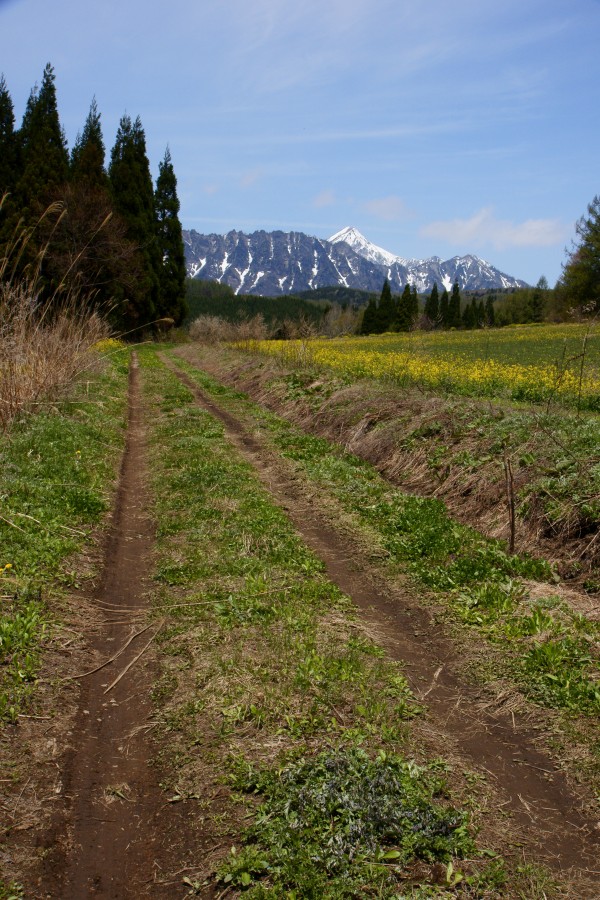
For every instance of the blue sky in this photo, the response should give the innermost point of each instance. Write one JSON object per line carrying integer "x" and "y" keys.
{"x": 435, "y": 128}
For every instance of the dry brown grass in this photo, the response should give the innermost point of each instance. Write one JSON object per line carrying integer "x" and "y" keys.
{"x": 214, "y": 330}
{"x": 44, "y": 344}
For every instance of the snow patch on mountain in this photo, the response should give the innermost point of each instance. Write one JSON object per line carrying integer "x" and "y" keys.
{"x": 277, "y": 262}
{"x": 363, "y": 247}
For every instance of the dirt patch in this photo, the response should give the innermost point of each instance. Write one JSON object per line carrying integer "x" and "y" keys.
{"x": 544, "y": 814}
{"x": 111, "y": 831}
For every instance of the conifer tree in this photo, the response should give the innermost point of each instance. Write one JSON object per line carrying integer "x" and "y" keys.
{"x": 414, "y": 305}
{"x": 470, "y": 314}
{"x": 8, "y": 142}
{"x": 87, "y": 157}
{"x": 45, "y": 161}
{"x": 432, "y": 305}
{"x": 444, "y": 320}
{"x": 133, "y": 198}
{"x": 480, "y": 314}
{"x": 404, "y": 315}
{"x": 490, "y": 313}
{"x": 454, "y": 307}
{"x": 467, "y": 317}
{"x": 538, "y": 300}
{"x": 8, "y": 166}
{"x": 369, "y": 321}
{"x": 170, "y": 243}
{"x": 385, "y": 310}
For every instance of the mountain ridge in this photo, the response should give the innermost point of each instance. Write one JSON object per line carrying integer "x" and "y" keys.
{"x": 278, "y": 262}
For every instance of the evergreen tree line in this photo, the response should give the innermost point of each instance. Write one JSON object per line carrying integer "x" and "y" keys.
{"x": 576, "y": 294}
{"x": 212, "y": 298}
{"x": 104, "y": 235}
{"x": 404, "y": 312}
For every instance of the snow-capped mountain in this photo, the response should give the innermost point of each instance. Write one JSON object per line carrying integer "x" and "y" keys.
{"x": 365, "y": 248}
{"x": 279, "y": 262}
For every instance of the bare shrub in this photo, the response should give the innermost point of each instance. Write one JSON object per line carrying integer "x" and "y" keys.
{"x": 340, "y": 321}
{"x": 214, "y": 330}
{"x": 210, "y": 330}
{"x": 44, "y": 345}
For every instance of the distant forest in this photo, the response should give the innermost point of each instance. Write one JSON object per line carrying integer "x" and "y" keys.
{"x": 337, "y": 309}
{"x": 211, "y": 298}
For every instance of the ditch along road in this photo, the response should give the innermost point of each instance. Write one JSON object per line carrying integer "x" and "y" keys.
{"x": 114, "y": 833}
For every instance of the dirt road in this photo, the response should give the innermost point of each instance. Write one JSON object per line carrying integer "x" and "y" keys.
{"x": 114, "y": 833}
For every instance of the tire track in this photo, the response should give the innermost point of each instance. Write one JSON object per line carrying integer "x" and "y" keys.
{"x": 117, "y": 832}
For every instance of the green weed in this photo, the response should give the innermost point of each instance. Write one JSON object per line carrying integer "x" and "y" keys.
{"x": 561, "y": 672}
{"x": 342, "y": 824}
{"x": 55, "y": 472}
{"x": 12, "y": 891}
{"x": 271, "y": 659}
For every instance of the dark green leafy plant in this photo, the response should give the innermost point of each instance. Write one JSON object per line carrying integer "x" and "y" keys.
{"x": 331, "y": 824}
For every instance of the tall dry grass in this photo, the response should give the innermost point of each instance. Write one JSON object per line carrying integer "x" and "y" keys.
{"x": 44, "y": 344}
{"x": 214, "y": 330}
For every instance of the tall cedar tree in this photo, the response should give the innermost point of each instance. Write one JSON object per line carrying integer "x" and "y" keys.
{"x": 170, "y": 243}
{"x": 369, "y": 320}
{"x": 580, "y": 283}
{"x": 432, "y": 305}
{"x": 470, "y": 315}
{"x": 538, "y": 300}
{"x": 44, "y": 157}
{"x": 133, "y": 197}
{"x": 8, "y": 142}
{"x": 8, "y": 165}
{"x": 454, "y": 320}
{"x": 43, "y": 169}
{"x": 87, "y": 156}
{"x": 414, "y": 305}
{"x": 89, "y": 251}
{"x": 444, "y": 311}
{"x": 385, "y": 310}
{"x": 404, "y": 312}
{"x": 481, "y": 314}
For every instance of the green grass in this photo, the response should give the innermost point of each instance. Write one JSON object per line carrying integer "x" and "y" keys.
{"x": 56, "y": 470}
{"x": 266, "y": 673}
{"x": 476, "y": 579}
{"x": 526, "y": 345}
{"x": 12, "y": 891}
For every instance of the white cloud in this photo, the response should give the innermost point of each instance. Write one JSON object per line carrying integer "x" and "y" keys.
{"x": 249, "y": 178}
{"x": 211, "y": 189}
{"x": 388, "y": 208}
{"x": 484, "y": 229}
{"x": 325, "y": 198}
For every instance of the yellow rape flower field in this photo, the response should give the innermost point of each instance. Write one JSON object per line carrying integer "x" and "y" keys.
{"x": 532, "y": 363}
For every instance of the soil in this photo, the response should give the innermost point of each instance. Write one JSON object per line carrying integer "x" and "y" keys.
{"x": 112, "y": 832}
